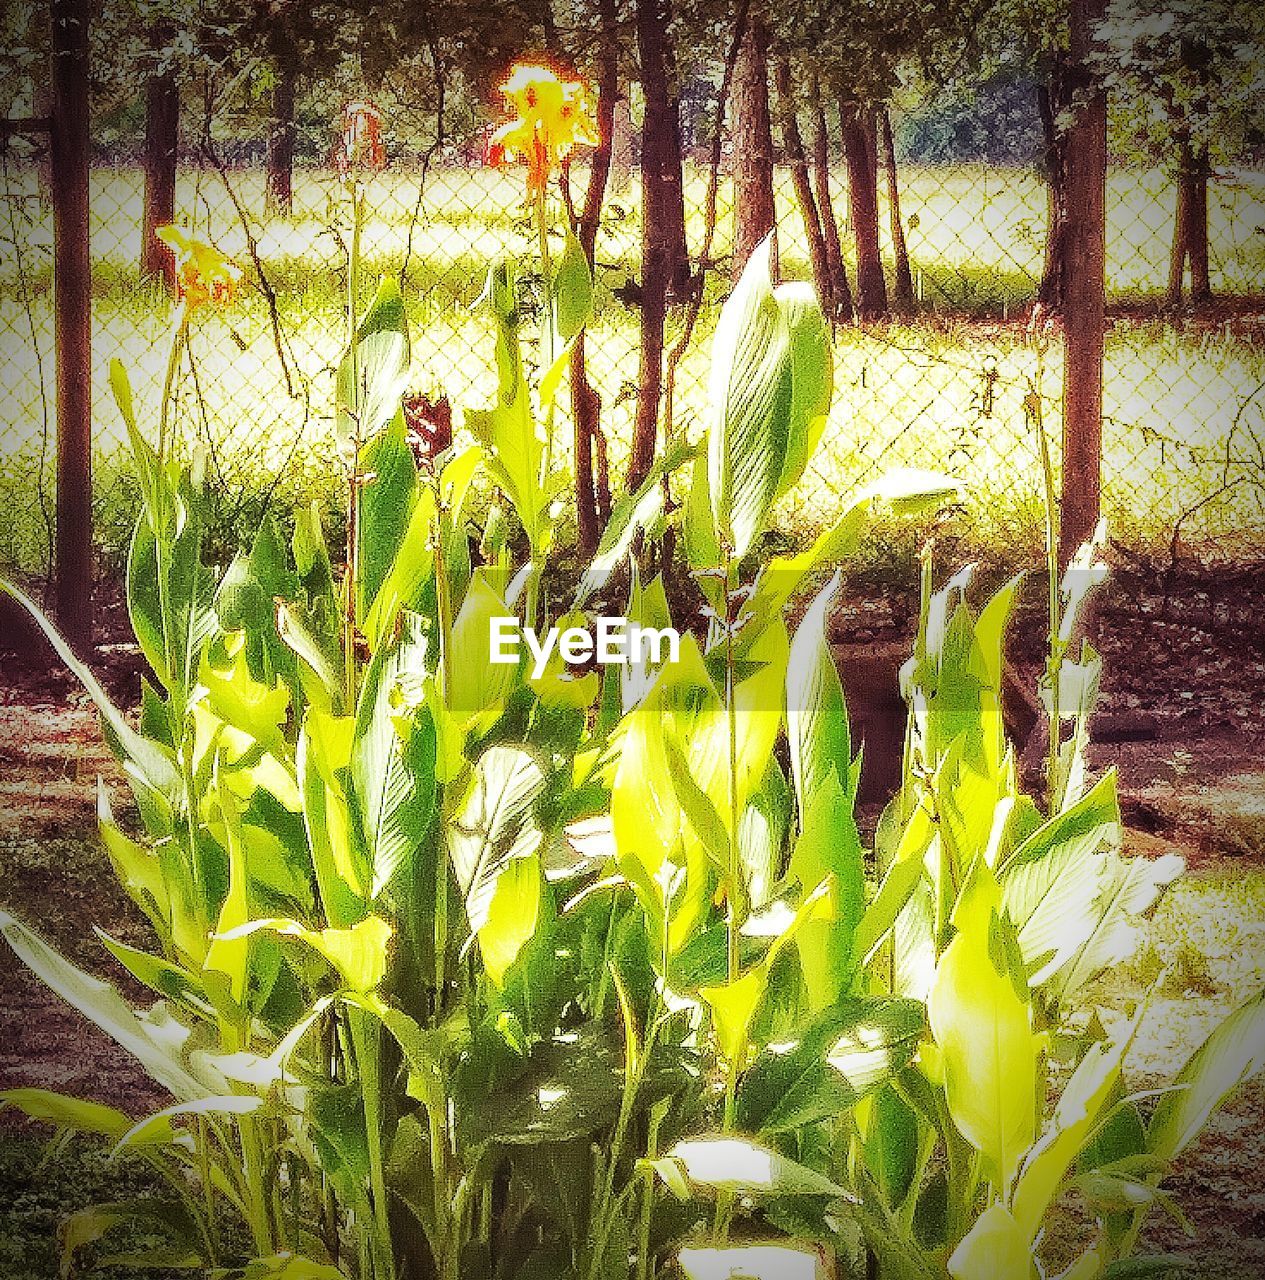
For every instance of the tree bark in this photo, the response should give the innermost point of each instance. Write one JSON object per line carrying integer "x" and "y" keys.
{"x": 754, "y": 213}
{"x": 672, "y": 166}
{"x": 162, "y": 142}
{"x": 1050, "y": 101}
{"x": 622, "y": 146}
{"x": 1190, "y": 230}
{"x": 793, "y": 143}
{"x": 1197, "y": 237}
{"x": 586, "y": 403}
{"x": 660, "y": 167}
{"x": 1085, "y": 290}
{"x": 904, "y": 282}
{"x": 1181, "y": 233}
{"x": 280, "y": 155}
{"x": 859, "y": 150}
{"x": 69, "y": 158}
{"x": 840, "y": 289}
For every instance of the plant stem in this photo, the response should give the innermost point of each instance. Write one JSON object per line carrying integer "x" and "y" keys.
{"x": 1054, "y": 662}
{"x": 546, "y": 277}
{"x": 351, "y": 584}
{"x": 366, "y": 1039}
{"x": 735, "y": 890}
{"x": 178, "y": 323}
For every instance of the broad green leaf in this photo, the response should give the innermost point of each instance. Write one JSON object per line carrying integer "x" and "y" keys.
{"x": 1231, "y": 1055}
{"x": 702, "y": 545}
{"x": 1079, "y": 1109}
{"x": 840, "y": 1059}
{"x": 320, "y": 669}
{"x": 289, "y": 1266}
{"x": 338, "y": 857}
{"x": 812, "y": 377}
{"x": 995, "y": 1248}
{"x": 513, "y": 915}
{"x": 1051, "y": 885}
{"x": 983, "y": 1028}
{"x": 631, "y": 513}
{"x": 572, "y": 290}
{"x": 749, "y": 394}
{"x": 156, "y": 1129}
{"x": 494, "y": 825}
{"x": 412, "y": 567}
{"x": 137, "y": 868}
{"x": 359, "y": 954}
{"x": 478, "y": 685}
{"x": 507, "y": 430}
{"x": 147, "y": 761}
{"x": 816, "y": 713}
{"x": 159, "y": 975}
{"x": 75, "y": 1114}
{"x": 229, "y": 952}
{"x": 170, "y": 1218}
{"x": 101, "y": 1004}
{"x": 386, "y": 499}
{"x": 829, "y": 845}
{"x": 746, "y": 1167}
{"x": 372, "y": 378}
{"x": 393, "y": 763}
{"x": 1128, "y": 888}
{"x": 239, "y": 699}
{"x": 762, "y": 832}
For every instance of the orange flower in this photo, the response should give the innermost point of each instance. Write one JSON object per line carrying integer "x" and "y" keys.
{"x": 361, "y": 145}
{"x": 552, "y": 117}
{"x": 203, "y": 273}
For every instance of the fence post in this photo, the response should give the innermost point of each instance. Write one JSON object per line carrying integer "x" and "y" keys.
{"x": 1084, "y": 315}
{"x": 72, "y": 295}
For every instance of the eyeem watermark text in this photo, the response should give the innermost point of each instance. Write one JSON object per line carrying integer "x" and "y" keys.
{"x": 615, "y": 641}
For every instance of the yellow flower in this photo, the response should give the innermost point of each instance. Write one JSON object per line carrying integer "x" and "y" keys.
{"x": 203, "y": 273}
{"x": 552, "y": 117}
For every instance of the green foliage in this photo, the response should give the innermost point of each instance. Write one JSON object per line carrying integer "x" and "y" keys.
{"x": 463, "y": 972}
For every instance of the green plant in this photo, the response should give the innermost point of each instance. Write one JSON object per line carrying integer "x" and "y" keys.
{"x": 465, "y": 971}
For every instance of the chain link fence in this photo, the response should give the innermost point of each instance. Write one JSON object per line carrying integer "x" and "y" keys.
{"x": 948, "y": 385}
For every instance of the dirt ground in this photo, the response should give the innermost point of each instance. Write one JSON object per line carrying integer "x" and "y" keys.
{"x": 1183, "y": 718}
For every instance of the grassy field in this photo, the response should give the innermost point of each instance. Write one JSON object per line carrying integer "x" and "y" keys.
{"x": 944, "y": 389}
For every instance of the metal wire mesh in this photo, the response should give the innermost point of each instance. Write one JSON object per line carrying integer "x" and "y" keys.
{"x": 944, "y": 385}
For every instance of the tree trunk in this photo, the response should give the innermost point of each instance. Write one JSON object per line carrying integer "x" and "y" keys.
{"x": 660, "y": 161}
{"x": 858, "y": 149}
{"x": 754, "y": 213}
{"x": 1050, "y": 101}
{"x": 840, "y": 290}
{"x": 793, "y": 142}
{"x": 162, "y": 141}
{"x": 586, "y": 403}
{"x": 1197, "y": 233}
{"x": 900, "y": 252}
{"x": 280, "y": 157}
{"x": 622, "y": 146}
{"x": 1181, "y": 238}
{"x": 1084, "y": 315}
{"x": 69, "y": 159}
{"x": 672, "y": 168}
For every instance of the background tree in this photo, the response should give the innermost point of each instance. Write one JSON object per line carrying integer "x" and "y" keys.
{"x": 754, "y": 212}
{"x": 1188, "y": 78}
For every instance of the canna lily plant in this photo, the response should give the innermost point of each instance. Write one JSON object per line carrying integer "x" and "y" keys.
{"x": 464, "y": 970}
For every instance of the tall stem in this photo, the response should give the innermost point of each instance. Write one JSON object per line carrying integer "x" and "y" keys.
{"x": 546, "y": 277}
{"x": 350, "y": 617}
{"x": 178, "y": 323}
{"x": 1054, "y": 661}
